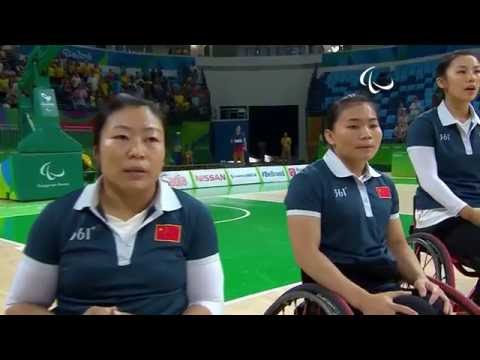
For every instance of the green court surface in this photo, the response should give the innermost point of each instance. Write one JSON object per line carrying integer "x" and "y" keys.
{"x": 251, "y": 227}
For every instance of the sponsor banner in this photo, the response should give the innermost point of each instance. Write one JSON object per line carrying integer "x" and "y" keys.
{"x": 178, "y": 179}
{"x": 272, "y": 173}
{"x": 209, "y": 178}
{"x": 240, "y": 176}
{"x": 293, "y": 170}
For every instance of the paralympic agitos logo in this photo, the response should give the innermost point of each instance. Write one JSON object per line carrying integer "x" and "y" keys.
{"x": 373, "y": 87}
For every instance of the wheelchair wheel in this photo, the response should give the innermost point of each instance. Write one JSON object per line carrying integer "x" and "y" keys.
{"x": 433, "y": 257}
{"x": 309, "y": 299}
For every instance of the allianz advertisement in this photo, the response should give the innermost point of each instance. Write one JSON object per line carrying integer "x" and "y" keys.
{"x": 240, "y": 176}
{"x": 178, "y": 179}
{"x": 209, "y": 178}
{"x": 272, "y": 173}
{"x": 46, "y": 176}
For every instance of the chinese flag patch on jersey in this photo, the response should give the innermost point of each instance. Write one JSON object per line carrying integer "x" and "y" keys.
{"x": 170, "y": 233}
{"x": 383, "y": 192}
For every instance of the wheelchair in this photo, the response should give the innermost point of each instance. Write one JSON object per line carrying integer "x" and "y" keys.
{"x": 313, "y": 299}
{"x": 437, "y": 262}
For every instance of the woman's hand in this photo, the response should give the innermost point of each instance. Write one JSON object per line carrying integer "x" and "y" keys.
{"x": 424, "y": 286}
{"x": 101, "y": 310}
{"x": 382, "y": 304}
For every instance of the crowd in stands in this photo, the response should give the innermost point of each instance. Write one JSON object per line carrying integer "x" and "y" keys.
{"x": 11, "y": 68}
{"x": 85, "y": 86}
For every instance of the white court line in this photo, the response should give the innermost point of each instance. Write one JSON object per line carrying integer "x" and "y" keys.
{"x": 248, "y": 297}
{"x": 246, "y": 213}
{"x": 17, "y": 246}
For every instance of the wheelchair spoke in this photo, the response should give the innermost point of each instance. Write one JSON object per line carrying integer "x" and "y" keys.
{"x": 427, "y": 262}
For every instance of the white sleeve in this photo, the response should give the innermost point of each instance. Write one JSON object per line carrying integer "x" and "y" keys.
{"x": 34, "y": 283}
{"x": 205, "y": 283}
{"x": 425, "y": 164}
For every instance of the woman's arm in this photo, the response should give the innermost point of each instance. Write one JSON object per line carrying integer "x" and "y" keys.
{"x": 205, "y": 286}
{"x": 410, "y": 268}
{"x": 425, "y": 164}
{"x": 305, "y": 237}
{"x": 33, "y": 288}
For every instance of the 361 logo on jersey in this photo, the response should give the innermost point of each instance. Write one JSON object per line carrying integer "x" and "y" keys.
{"x": 445, "y": 137}
{"x": 82, "y": 233}
{"x": 340, "y": 192}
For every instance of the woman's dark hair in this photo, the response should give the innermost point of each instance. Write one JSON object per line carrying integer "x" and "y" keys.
{"x": 441, "y": 70}
{"x": 117, "y": 103}
{"x": 340, "y": 105}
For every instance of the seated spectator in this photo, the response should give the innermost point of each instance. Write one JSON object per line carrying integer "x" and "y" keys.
{"x": 96, "y": 71}
{"x": 401, "y": 108}
{"x": 79, "y": 97}
{"x": 99, "y": 100}
{"x": 415, "y": 109}
{"x": 110, "y": 76}
{"x": 139, "y": 92}
{"x": 400, "y": 131}
{"x": 402, "y": 115}
{"x": 93, "y": 100}
{"x": 158, "y": 92}
{"x": 70, "y": 67}
{"x": 66, "y": 91}
{"x": 104, "y": 88}
{"x": 83, "y": 70}
{"x": 92, "y": 82}
{"x": 76, "y": 80}
{"x": 125, "y": 79}
{"x": 181, "y": 103}
{"x": 116, "y": 85}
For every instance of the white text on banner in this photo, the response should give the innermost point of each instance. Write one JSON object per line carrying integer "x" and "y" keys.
{"x": 272, "y": 173}
{"x": 240, "y": 176}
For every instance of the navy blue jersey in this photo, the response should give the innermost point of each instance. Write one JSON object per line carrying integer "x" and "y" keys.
{"x": 457, "y": 157}
{"x": 72, "y": 233}
{"x": 354, "y": 214}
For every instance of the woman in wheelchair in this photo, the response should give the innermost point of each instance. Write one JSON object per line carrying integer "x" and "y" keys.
{"x": 344, "y": 225}
{"x": 444, "y": 146}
